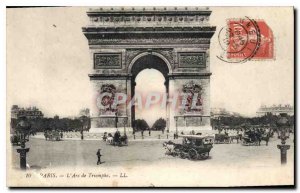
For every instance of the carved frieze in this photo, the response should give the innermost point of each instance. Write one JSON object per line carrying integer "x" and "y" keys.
{"x": 191, "y": 60}
{"x": 107, "y": 60}
{"x": 151, "y": 41}
{"x": 196, "y": 17}
{"x": 162, "y": 19}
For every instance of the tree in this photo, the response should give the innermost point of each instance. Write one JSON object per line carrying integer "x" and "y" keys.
{"x": 140, "y": 124}
{"x": 159, "y": 124}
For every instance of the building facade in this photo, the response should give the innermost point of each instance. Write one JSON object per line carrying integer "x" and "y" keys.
{"x": 222, "y": 112}
{"x": 275, "y": 110}
{"x": 29, "y": 113}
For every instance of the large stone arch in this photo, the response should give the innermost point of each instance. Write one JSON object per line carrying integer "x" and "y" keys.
{"x": 121, "y": 41}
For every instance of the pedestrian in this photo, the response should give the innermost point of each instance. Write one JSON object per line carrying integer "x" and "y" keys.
{"x": 98, "y": 156}
{"x": 81, "y": 132}
{"x": 149, "y": 132}
{"x": 104, "y": 136}
{"x": 117, "y": 136}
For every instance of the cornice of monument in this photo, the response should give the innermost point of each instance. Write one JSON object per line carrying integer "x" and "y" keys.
{"x": 149, "y": 10}
{"x": 109, "y": 76}
{"x": 139, "y": 17}
{"x": 153, "y": 29}
{"x": 102, "y": 33}
{"x": 189, "y": 74}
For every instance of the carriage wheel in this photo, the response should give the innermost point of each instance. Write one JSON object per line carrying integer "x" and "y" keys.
{"x": 244, "y": 142}
{"x": 193, "y": 154}
{"x": 183, "y": 155}
{"x": 229, "y": 140}
{"x": 204, "y": 155}
{"x": 176, "y": 152}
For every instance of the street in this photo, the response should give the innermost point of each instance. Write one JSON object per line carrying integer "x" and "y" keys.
{"x": 47, "y": 154}
{"x": 228, "y": 164}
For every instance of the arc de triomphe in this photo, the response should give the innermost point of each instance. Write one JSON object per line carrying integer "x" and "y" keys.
{"x": 172, "y": 40}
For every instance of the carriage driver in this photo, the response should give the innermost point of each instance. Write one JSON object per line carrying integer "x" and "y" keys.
{"x": 117, "y": 135}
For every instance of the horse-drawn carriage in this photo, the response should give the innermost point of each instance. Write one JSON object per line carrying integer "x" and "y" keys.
{"x": 52, "y": 135}
{"x": 254, "y": 137}
{"x": 226, "y": 138}
{"x": 193, "y": 147}
{"x": 117, "y": 139}
{"x": 222, "y": 138}
{"x": 17, "y": 138}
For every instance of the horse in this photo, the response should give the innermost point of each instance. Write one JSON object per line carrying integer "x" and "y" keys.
{"x": 109, "y": 140}
{"x": 222, "y": 138}
{"x": 265, "y": 138}
{"x": 172, "y": 148}
{"x": 104, "y": 137}
{"x": 169, "y": 146}
{"x": 234, "y": 137}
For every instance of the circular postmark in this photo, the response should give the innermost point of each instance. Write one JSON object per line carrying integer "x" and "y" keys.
{"x": 239, "y": 40}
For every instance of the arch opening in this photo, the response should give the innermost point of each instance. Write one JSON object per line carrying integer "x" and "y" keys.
{"x": 149, "y": 60}
{"x": 154, "y": 70}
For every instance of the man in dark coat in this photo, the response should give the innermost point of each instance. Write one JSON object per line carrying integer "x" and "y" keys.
{"x": 98, "y": 156}
{"x": 117, "y": 136}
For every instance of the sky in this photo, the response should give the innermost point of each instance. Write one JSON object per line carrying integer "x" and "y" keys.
{"x": 144, "y": 85}
{"x": 48, "y": 62}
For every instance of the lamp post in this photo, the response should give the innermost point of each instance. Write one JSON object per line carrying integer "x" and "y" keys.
{"x": 125, "y": 122}
{"x": 283, "y": 124}
{"x": 85, "y": 125}
{"x": 81, "y": 132}
{"x": 176, "y": 119}
{"x": 23, "y": 126}
{"x": 167, "y": 123}
{"x": 116, "y": 119}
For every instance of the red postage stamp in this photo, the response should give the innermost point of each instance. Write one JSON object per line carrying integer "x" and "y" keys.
{"x": 246, "y": 39}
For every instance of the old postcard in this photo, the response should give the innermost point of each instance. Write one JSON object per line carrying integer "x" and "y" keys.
{"x": 150, "y": 96}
